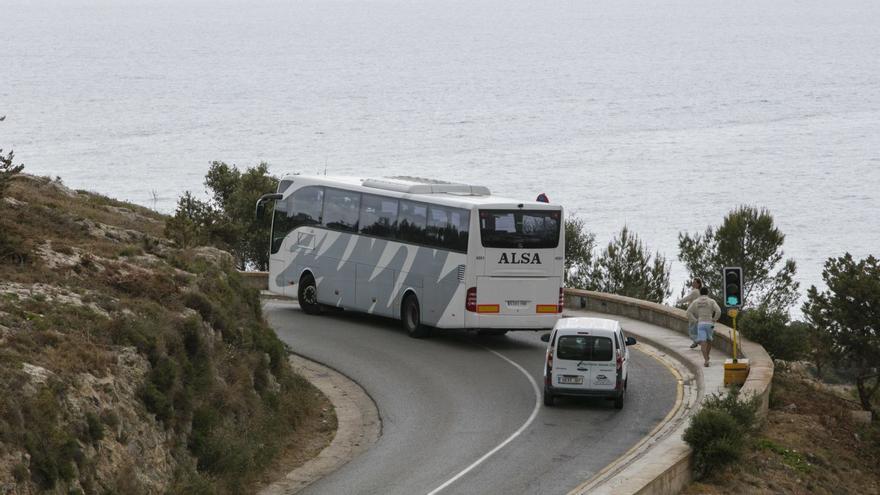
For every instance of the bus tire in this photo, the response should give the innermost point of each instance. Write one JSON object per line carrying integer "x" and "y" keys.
{"x": 411, "y": 316}
{"x": 307, "y": 295}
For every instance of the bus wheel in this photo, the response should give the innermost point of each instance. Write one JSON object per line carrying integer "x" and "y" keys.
{"x": 307, "y": 295}
{"x": 410, "y": 314}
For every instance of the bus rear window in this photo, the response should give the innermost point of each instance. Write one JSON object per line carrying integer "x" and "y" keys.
{"x": 518, "y": 229}
{"x": 585, "y": 348}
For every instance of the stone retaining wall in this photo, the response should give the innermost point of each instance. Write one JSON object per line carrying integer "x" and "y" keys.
{"x": 760, "y": 364}
{"x": 256, "y": 280}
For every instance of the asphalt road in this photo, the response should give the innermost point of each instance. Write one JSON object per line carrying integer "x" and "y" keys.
{"x": 448, "y": 401}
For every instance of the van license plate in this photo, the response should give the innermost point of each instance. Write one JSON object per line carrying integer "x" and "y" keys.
{"x": 517, "y": 303}
{"x": 571, "y": 380}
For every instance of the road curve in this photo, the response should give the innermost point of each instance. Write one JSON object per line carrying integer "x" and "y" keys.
{"x": 448, "y": 401}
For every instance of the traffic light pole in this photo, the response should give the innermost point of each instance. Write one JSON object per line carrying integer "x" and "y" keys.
{"x": 736, "y": 370}
{"x": 733, "y": 313}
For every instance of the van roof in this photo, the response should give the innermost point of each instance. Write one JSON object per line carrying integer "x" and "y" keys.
{"x": 584, "y": 323}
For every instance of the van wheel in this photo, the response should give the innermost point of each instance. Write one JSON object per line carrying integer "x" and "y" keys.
{"x": 549, "y": 399}
{"x": 411, "y": 316}
{"x": 307, "y": 295}
{"x": 618, "y": 401}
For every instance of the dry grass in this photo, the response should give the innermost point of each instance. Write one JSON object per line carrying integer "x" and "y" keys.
{"x": 100, "y": 277}
{"x": 809, "y": 445}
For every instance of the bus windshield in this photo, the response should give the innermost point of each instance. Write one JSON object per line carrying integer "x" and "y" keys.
{"x": 517, "y": 229}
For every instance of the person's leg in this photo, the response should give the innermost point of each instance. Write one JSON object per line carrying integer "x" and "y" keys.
{"x": 704, "y": 336}
{"x": 692, "y": 332}
{"x": 710, "y": 336}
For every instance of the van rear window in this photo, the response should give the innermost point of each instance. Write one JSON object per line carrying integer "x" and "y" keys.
{"x": 585, "y": 348}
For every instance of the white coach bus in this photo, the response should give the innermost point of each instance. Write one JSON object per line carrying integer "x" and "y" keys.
{"x": 432, "y": 254}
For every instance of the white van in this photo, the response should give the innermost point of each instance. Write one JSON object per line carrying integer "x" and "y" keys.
{"x": 586, "y": 357}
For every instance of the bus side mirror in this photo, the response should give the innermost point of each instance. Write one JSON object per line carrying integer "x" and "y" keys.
{"x": 258, "y": 209}
{"x": 631, "y": 341}
{"x": 545, "y": 337}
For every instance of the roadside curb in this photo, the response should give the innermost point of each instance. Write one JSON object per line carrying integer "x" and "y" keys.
{"x": 358, "y": 426}
{"x": 666, "y": 469}
{"x": 634, "y": 469}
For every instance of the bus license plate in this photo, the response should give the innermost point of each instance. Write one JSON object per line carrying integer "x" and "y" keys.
{"x": 571, "y": 380}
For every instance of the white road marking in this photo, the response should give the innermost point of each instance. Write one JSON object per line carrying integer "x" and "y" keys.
{"x": 510, "y": 438}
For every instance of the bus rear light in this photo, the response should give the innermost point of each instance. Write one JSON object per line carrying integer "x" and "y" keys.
{"x": 470, "y": 302}
{"x": 561, "y": 300}
{"x": 546, "y": 308}
{"x": 488, "y": 308}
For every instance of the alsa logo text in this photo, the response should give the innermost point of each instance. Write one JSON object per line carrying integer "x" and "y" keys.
{"x": 520, "y": 259}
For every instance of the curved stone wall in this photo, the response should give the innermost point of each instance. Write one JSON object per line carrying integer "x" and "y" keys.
{"x": 760, "y": 363}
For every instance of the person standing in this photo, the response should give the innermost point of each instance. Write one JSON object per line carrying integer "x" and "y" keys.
{"x": 704, "y": 312}
{"x": 692, "y": 296}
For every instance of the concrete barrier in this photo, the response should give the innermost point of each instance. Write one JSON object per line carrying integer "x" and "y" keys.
{"x": 256, "y": 280}
{"x": 760, "y": 363}
{"x": 669, "y": 472}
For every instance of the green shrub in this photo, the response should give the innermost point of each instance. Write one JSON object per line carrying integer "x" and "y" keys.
{"x": 744, "y": 412}
{"x": 200, "y": 303}
{"x": 192, "y": 337}
{"x": 717, "y": 432}
{"x": 156, "y": 402}
{"x": 772, "y": 329}
{"x": 20, "y": 472}
{"x": 94, "y": 428}
{"x": 8, "y": 170}
{"x": 716, "y": 438}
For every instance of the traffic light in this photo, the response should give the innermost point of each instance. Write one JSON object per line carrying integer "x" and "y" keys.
{"x": 733, "y": 282}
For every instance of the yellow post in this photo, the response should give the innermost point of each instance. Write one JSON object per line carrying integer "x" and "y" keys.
{"x": 734, "y": 315}
{"x": 735, "y": 372}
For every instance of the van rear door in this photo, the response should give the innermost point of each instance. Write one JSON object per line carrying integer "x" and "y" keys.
{"x": 584, "y": 361}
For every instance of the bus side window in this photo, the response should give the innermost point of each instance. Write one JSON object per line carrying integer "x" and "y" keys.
{"x": 303, "y": 207}
{"x": 438, "y": 225}
{"x": 448, "y": 227}
{"x": 378, "y": 215}
{"x": 341, "y": 209}
{"x": 461, "y": 221}
{"x": 413, "y": 221}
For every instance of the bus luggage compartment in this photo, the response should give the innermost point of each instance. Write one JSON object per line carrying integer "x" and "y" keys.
{"x": 516, "y": 302}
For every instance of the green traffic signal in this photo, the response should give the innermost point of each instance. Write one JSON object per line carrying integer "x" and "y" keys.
{"x": 733, "y": 286}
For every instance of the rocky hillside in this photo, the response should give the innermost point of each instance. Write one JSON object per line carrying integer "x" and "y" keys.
{"x": 129, "y": 366}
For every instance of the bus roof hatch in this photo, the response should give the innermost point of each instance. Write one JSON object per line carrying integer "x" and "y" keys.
{"x": 419, "y": 185}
